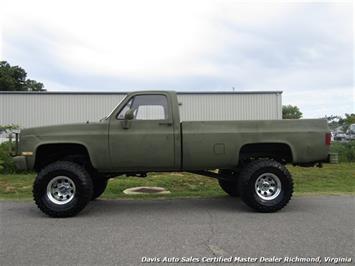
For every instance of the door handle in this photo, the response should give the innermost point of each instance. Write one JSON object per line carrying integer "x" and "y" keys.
{"x": 166, "y": 123}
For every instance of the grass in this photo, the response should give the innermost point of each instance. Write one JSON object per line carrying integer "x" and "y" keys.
{"x": 332, "y": 179}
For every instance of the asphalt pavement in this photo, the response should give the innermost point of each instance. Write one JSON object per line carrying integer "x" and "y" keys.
{"x": 125, "y": 232}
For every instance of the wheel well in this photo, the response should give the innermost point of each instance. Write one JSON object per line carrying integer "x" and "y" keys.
{"x": 279, "y": 151}
{"x": 48, "y": 153}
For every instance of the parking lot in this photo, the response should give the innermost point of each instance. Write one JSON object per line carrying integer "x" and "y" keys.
{"x": 125, "y": 232}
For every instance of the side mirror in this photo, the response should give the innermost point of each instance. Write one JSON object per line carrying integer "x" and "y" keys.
{"x": 129, "y": 115}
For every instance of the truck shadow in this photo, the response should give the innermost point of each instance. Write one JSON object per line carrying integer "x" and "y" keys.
{"x": 162, "y": 207}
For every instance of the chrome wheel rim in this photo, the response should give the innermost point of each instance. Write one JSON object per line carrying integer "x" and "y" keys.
{"x": 61, "y": 190}
{"x": 268, "y": 186}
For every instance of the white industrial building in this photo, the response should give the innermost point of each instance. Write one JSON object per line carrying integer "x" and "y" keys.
{"x": 30, "y": 109}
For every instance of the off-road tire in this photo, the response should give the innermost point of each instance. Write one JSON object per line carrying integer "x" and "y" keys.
{"x": 247, "y": 182}
{"x": 99, "y": 183}
{"x": 229, "y": 186}
{"x": 79, "y": 176}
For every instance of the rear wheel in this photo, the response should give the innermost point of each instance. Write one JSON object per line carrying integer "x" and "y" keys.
{"x": 265, "y": 185}
{"x": 62, "y": 189}
{"x": 230, "y": 185}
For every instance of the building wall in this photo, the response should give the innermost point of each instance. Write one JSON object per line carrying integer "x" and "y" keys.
{"x": 230, "y": 106}
{"x": 39, "y": 109}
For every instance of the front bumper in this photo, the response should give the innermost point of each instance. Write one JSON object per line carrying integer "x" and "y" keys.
{"x": 21, "y": 162}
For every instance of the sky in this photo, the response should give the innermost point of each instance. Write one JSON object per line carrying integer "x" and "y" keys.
{"x": 303, "y": 48}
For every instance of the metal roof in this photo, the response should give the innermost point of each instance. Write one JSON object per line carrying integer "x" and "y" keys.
{"x": 125, "y": 92}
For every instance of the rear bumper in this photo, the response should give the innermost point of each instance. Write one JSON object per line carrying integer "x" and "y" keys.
{"x": 21, "y": 162}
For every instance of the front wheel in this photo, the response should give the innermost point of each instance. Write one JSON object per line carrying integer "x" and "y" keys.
{"x": 99, "y": 183}
{"x": 265, "y": 185}
{"x": 62, "y": 189}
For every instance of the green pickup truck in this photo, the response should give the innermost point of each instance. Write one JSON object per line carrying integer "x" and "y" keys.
{"x": 144, "y": 133}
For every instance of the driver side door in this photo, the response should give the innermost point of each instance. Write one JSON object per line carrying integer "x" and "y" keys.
{"x": 147, "y": 141}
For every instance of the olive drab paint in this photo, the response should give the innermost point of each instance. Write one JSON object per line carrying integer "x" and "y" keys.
{"x": 121, "y": 145}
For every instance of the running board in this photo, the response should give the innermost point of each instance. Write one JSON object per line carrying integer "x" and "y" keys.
{"x": 211, "y": 174}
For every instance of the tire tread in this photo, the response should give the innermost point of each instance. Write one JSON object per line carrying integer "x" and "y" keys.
{"x": 246, "y": 194}
{"x": 82, "y": 175}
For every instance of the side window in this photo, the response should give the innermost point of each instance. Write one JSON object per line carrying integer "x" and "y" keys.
{"x": 147, "y": 107}
{"x": 150, "y": 112}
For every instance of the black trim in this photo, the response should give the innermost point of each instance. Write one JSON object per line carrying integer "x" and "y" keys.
{"x": 219, "y": 176}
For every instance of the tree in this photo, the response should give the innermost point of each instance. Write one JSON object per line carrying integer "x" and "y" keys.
{"x": 334, "y": 121}
{"x": 291, "y": 112}
{"x": 344, "y": 123}
{"x": 349, "y": 119}
{"x": 14, "y": 78}
{"x": 8, "y": 128}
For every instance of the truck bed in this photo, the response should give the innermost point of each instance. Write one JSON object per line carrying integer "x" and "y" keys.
{"x": 216, "y": 144}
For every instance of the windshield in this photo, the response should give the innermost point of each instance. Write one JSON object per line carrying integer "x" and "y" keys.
{"x": 107, "y": 116}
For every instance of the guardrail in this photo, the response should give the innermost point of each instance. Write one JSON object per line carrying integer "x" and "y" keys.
{"x": 3, "y": 139}
{"x": 334, "y": 158}
{"x": 6, "y": 136}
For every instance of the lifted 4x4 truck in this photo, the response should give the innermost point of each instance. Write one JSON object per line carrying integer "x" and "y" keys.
{"x": 144, "y": 133}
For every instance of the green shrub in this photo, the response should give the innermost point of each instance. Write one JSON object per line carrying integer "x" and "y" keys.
{"x": 345, "y": 150}
{"x": 7, "y": 164}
